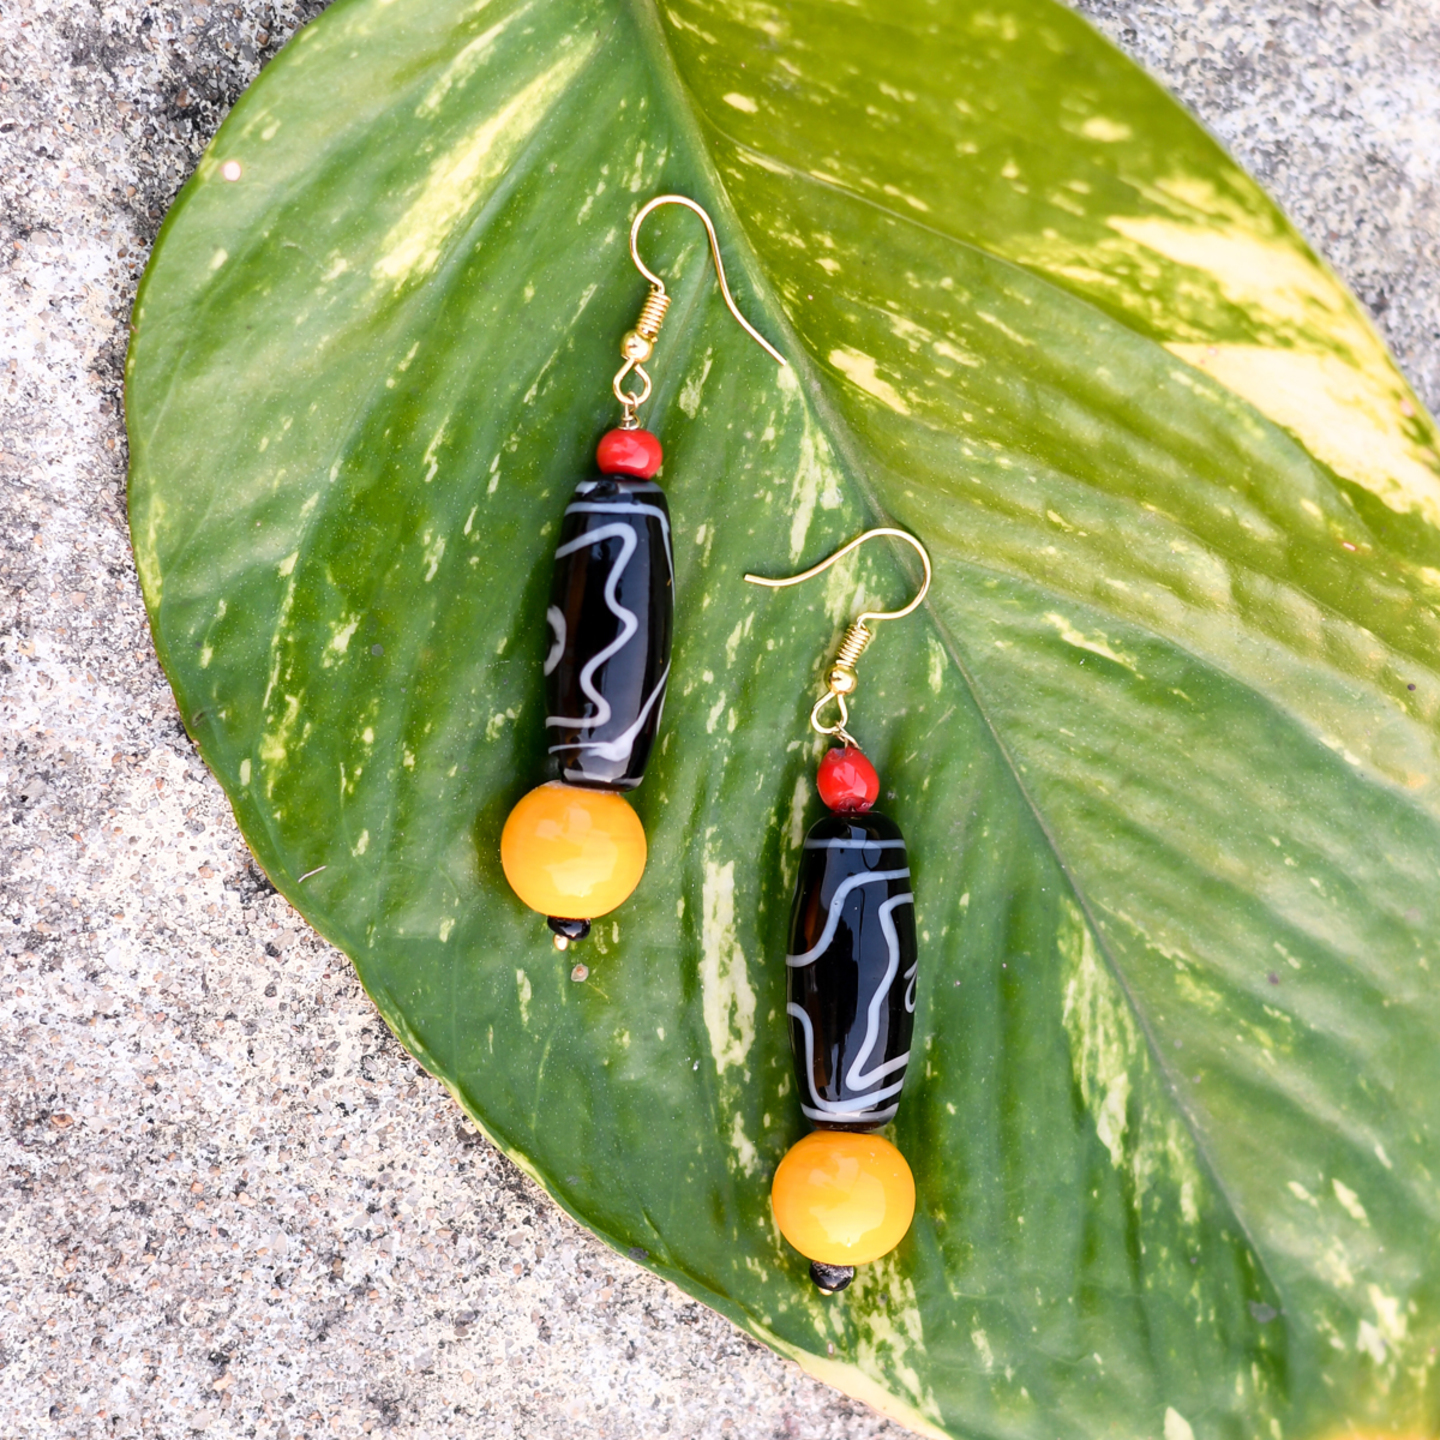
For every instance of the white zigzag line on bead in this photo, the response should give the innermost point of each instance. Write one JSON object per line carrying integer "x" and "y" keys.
{"x": 857, "y": 1078}
{"x": 628, "y": 623}
{"x": 833, "y": 919}
{"x": 853, "y": 1109}
{"x": 594, "y": 507}
{"x": 556, "y": 617}
{"x": 622, "y": 745}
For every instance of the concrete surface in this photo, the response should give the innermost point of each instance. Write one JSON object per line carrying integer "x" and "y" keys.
{"x": 1335, "y": 109}
{"x": 231, "y": 1203}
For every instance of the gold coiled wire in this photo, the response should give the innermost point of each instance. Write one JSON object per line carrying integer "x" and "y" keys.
{"x": 853, "y": 646}
{"x": 652, "y": 314}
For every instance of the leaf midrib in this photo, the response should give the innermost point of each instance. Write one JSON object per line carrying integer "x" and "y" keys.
{"x": 687, "y": 112}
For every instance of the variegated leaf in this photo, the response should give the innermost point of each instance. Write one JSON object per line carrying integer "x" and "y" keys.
{"x": 1163, "y": 741}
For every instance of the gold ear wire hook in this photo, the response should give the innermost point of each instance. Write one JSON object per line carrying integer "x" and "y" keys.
{"x": 841, "y": 553}
{"x": 842, "y": 679}
{"x": 638, "y": 344}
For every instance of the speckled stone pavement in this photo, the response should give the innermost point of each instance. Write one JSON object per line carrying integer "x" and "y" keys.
{"x": 231, "y": 1203}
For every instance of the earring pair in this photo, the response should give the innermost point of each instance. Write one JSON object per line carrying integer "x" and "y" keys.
{"x": 573, "y": 849}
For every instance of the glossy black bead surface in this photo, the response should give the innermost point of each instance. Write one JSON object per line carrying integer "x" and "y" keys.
{"x": 851, "y": 971}
{"x": 571, "y": 930}
{"x": 829, "y": 1279}
{"x": 611, "y": 613}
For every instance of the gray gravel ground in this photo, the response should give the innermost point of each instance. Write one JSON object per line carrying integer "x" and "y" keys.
{"x": 231, "y": 1203}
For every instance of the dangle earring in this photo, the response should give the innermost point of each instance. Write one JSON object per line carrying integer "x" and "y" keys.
{"x": 573, "y": 848}
{"x": 844, "y": 1195}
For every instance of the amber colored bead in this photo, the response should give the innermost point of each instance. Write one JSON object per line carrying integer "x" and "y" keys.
{"x": 629, "y": 452}
{"x": 572, "y": 852}
{"x": 846, "y": 780}
{"x": 843, "y": 1198}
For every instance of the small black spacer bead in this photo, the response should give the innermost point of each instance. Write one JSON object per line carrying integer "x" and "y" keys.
{"x": 568, "y": 930}
{"x": 830, "y": 1278}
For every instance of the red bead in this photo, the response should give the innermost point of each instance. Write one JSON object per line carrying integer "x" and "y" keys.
{"x": 629, "y": 452}
{"x": 846, "y": 780}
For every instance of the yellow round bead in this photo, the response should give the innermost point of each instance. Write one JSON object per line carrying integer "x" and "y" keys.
{"x": 571, "y": 852}
{"x": 843, "y": 1198}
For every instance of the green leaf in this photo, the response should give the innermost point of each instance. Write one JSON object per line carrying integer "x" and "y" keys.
{"x": 1163, "y": 740}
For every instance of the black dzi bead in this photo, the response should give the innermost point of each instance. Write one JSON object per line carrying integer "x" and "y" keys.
{"x": 611, "y": 611}
{"x": 851, "y": 971}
